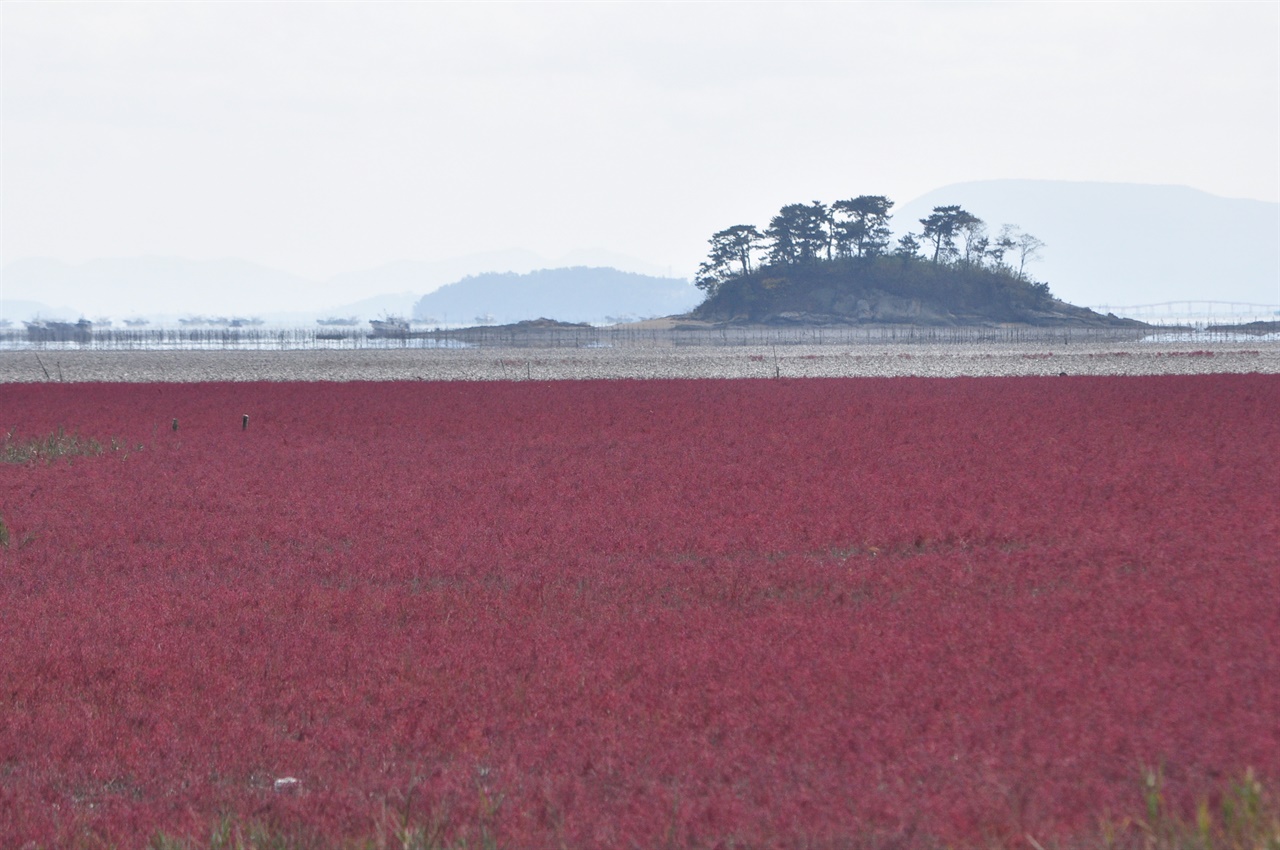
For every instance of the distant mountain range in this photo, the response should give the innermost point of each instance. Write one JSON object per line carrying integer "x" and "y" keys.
{"x": 151, "y": 286}
{"x": 1122, "y": 244}
{"x": 1106, "y": 244}
{"x": 172, "y": 287}
{"x": 578, "y": 294}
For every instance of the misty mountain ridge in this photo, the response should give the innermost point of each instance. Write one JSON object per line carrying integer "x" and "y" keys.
{"x": 575, "y": 294}
{"x": 120, "y": 287}
{"x": 172, "y": 287}
{"x": 1120, "y": 244}
{"x": 1106, "y": 244}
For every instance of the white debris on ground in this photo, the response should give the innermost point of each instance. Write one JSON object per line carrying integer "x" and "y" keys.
{"x": 732, "y": 361}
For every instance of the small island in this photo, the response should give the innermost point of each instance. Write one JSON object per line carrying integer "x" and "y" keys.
{"x": 820, "y": 264}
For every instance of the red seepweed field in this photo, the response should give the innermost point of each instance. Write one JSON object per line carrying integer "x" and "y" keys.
{"x": 770, "y": 613}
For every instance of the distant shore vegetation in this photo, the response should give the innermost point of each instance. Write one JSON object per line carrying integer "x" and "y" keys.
{"x": 842, "y": 255}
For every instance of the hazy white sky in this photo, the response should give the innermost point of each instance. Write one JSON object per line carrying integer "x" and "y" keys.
{"x": 327, "y": 137}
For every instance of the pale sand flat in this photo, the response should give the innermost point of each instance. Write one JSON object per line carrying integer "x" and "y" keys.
{"x": 639, "y": 362}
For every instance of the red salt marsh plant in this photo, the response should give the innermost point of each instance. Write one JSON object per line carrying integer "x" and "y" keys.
{"x": 811, "y": 613}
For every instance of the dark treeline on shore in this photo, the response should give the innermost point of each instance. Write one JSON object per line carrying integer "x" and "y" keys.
{"x": 839, "y": 259}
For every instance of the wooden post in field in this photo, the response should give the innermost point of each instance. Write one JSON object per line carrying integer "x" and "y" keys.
{"x": 175, "y": 424}
{"x": 244, "y": 423}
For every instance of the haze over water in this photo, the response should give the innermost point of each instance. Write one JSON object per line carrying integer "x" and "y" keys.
{"x": 320, "y": 140}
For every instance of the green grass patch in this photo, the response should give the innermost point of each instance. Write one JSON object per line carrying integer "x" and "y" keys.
{"x": 54, "y": 446}
{"x": 1245, "y": 817}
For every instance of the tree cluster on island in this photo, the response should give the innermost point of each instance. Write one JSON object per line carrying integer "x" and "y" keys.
{"x": 839, "y": 260}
